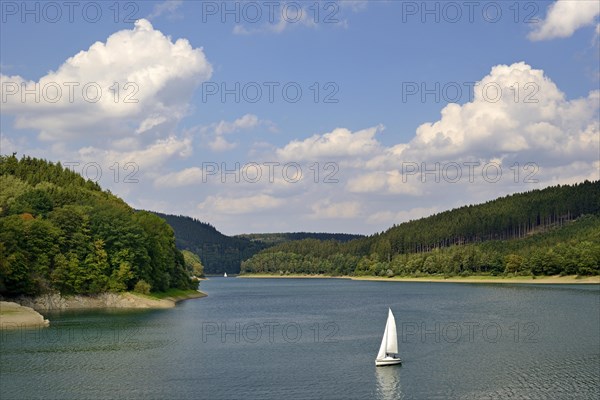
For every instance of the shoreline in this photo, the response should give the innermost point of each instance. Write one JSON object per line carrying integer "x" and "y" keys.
{"x": 291, "y": 276}
{"x": 24, "y": 312}
{"x": 543, "y": 280}
{"x": 552, "y": 280}
{"x": 14, "y": 316}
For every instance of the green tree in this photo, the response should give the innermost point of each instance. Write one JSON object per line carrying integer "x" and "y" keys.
{"x": 120, "y": 277}
{"x": 142, "y": 287}
{"x": 36, "y": 202}
{"x": 513, "y": 264}
{"x": 12, "y": 188}
{"x": 192, "y": 263}
{"x": 92, "y": 278}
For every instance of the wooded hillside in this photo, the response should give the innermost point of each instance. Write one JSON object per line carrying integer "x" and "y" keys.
{"x": 551, "y": 231}
{"x": 60, "y": 232}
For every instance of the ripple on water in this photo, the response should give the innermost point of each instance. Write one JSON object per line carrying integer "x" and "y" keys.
{"x": 550, "y": 378}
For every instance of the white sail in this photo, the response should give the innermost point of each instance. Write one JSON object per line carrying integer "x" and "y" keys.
{"x": 383, "y": 346}
{"x": 225, "y": 275}
{"x": 392, "y": 339}
{"x": 389, "y": 342}
{"x": 388, "y": 350}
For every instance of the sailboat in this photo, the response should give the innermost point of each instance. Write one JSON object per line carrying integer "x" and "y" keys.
{"x": 388, "y": 351}
{"x": 225, "y": 275}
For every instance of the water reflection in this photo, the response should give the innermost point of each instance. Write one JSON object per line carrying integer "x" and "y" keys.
{"x": 388, "y": 383}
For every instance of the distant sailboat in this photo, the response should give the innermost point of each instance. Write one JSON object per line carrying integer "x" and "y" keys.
{"x": 225, "y": 275}
{"x": 388, "y": 351}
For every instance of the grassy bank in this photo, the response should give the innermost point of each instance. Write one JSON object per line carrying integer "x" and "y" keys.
{"x": 572, "y": 279}
{"x": 176, "y": 295}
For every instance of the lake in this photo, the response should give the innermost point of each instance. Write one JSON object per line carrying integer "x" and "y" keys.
{"x": 318, "y": 338}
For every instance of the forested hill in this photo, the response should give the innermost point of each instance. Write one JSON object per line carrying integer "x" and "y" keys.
{"x": 509, "y": 217}
{"x": 220, "y": 253}
{"x": 469, "y": 239}
{"x": 60, "y": 232}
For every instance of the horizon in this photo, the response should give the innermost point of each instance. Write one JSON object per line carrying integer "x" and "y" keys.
{"x": 329, "y": 116}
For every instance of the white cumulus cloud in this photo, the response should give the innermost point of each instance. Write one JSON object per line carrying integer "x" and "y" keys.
{"x": 138, "y": 80}
{"x": 339, "y": 143}
{"x": 516, "y": 109}
{"x": 517, "y": 115}
{"x": 564, "y": 17}
{"x": 147, "y": 158}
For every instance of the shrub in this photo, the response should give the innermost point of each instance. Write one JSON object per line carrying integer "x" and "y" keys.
{"x": 142, "y": 287}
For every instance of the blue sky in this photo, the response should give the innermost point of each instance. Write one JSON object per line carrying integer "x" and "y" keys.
{"x": 365, "y": 141}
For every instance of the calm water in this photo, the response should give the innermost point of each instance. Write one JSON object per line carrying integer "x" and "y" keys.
{"x": 317, "y": 338}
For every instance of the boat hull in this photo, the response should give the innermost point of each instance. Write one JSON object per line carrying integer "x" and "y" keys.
{"x": 387, "y": 361}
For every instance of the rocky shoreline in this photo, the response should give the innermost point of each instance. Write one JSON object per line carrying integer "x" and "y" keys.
{"x": 14, "y": 316}
{"x": 24, "y": 311}
{"x": 56, "y": 302}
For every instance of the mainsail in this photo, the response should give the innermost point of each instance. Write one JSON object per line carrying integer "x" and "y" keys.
{"x": 389, "y": 343}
